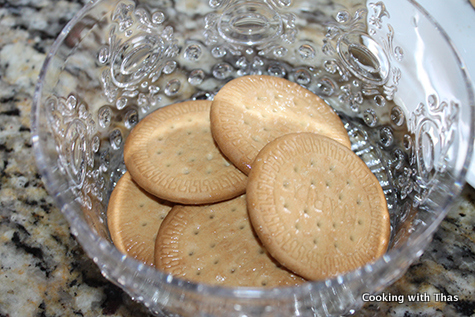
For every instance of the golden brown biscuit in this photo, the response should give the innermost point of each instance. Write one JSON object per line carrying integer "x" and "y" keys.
{"x": 172, "y": 155}
{"x": 316, "y": 206}
{"x": 249, "y": 112}
{"x": 215, "y": 244}
{"x": 134, "y": 217}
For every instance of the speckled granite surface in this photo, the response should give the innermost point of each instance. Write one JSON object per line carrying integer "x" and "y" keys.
{"x": 43, "y": 270}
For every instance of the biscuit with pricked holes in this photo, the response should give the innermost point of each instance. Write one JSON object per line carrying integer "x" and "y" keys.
{"x": 249, "y": 112}
{"x": 172, "y": 155}
{"x": 134, "y": 217}
{"x": 316, "y": 206}
{"x": 215, "y": 244}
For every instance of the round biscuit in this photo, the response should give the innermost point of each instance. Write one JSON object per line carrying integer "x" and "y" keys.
{"x": 249, "y": 112}
{"x": 134, "y": 217}
{"x": 172, "y": 154}
{"x": 316, "y": 206}
{"x": 215, "y": 244}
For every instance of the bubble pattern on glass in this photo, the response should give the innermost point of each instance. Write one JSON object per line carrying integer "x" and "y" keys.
{"x": 89, "y": 145}
{"x": 141, "y": 49}
{"x": 364, "y": 81}
{"x": 267, "y": 40}
{"x": 363, "y": 97}
{"x": 78, "y": 142}
{"x": 433, "y": 126}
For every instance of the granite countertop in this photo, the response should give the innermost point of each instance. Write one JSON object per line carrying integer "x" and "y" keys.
{"x": 44, "y": 271}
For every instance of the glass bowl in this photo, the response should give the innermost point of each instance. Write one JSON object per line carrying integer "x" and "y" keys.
{"x": 386, "y": 67}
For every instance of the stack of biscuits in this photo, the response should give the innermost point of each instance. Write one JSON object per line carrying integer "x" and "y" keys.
{"x": 257, "y": 188}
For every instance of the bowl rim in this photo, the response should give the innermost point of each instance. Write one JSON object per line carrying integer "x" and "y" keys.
{"x": 103, "y": 248}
